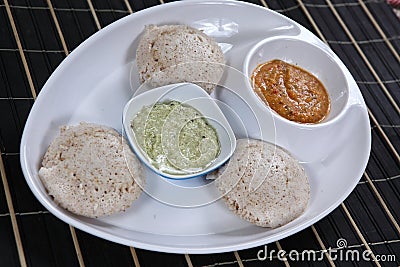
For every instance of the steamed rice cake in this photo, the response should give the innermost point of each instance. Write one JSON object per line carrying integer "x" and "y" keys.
{"x": 178, "y": 53}
{"x": 263, "y": 184}
{"x": 90, "y": 170}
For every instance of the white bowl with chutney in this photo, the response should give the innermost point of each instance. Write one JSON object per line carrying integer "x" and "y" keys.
{"x": 178, "y": 131}
{"x": 308, "y": 60}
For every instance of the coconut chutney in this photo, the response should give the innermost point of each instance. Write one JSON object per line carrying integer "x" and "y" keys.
{"x": 176, "y": 137}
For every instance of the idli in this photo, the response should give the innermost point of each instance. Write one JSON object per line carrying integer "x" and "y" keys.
{"x": 90, "y": 170}
{"x": 178, "y": 53}
{"x": 263, "y": 184}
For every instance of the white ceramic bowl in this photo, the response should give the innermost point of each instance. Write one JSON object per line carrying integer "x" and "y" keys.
{"x": 194, "y": 96}
{"x": 316, "y": 58}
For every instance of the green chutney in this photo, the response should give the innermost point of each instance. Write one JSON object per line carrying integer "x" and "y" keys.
{"x": 176, "y": 137}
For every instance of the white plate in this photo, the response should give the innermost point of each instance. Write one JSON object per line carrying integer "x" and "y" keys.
{"x": 93, "y": 84}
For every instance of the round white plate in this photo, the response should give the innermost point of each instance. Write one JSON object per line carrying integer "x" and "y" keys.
{"x": 93, "y": 84}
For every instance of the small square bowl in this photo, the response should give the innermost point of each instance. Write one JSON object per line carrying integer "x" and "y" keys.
{"x": 188, "y": 94}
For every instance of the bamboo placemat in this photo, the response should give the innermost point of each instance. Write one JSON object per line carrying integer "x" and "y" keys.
{"x": 35, "y": 36}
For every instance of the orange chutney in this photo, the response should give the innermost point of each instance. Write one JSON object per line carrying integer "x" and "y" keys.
{"x": 292, "y": 92}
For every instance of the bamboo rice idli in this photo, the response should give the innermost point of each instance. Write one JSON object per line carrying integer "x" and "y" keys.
{"x": 263, "y": 184}
{"x": 90, "y": 170}
{"x": 178, "y": 53}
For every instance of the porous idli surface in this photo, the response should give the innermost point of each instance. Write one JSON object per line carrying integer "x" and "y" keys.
{"x": 263, "y": 184}
{"x": 170, "y": 54}
{"x": 90, "y": 170}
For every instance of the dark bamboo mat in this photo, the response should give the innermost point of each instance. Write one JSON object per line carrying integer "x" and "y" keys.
{"x": 36, "y": 35}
